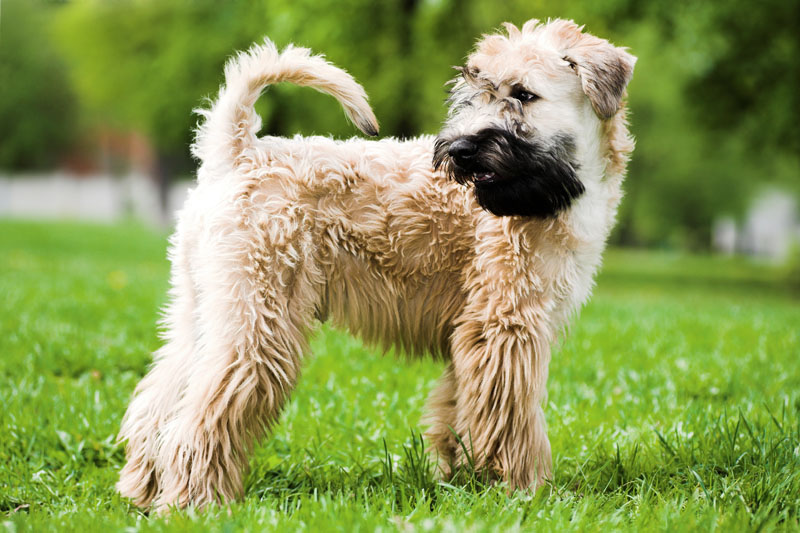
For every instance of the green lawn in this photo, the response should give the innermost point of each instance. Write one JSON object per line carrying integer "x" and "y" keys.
{"x": 674, "y": 404}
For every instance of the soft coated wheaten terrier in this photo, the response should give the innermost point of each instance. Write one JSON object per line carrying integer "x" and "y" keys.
{"x": 474, "y": 246}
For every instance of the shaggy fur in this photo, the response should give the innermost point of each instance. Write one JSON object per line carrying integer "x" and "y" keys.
{"x": 281, "y": 233}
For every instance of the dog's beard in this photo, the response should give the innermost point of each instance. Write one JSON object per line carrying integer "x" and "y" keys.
{"x": 513, "y": 175}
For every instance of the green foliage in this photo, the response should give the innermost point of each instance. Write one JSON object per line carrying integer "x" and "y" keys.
{"x": 38, "y": 111}
{"x": 673, "y": 405}
{"x": 705, "y": 142}
{"x": 750, "y": 81}
{"x": 713, "y": 100}
{"x": 146, "y": 65}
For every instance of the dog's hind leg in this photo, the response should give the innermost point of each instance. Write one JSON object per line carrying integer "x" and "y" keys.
{"x": 257, "y": 292}
{"x": 440, "y": 416}
{"x": 158, "y": 393}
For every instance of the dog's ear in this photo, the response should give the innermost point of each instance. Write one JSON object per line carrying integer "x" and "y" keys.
{"x": 604, "y": 70}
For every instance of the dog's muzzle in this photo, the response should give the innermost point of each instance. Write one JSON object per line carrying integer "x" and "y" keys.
{"x": 464, "y": 154}
{"x": 512, "y": 175}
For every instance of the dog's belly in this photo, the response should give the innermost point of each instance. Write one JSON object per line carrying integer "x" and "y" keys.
{"x": 414, "y": 314}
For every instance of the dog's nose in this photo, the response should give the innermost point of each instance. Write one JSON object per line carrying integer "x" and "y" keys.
{"x": 462, "y": 149}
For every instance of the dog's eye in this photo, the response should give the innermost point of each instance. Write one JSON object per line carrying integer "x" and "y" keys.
{"x": 523, "y": 95}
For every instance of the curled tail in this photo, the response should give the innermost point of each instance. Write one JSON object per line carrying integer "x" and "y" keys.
{"x": 230, "y": 126}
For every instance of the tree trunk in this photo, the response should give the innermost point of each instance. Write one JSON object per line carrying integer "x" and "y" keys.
{"x": 407, "y": 126}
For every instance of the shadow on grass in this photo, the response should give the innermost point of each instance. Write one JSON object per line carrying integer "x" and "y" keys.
{"x": 403, "y": 481}
{"x": 666, "y": 282}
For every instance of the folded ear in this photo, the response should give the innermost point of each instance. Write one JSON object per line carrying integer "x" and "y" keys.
{"x": 604, "y": 70}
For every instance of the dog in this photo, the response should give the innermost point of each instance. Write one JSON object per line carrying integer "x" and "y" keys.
{"x": 474, "y": 246}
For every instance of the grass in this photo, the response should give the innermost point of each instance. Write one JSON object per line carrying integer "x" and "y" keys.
{"x": 674, "y": 405}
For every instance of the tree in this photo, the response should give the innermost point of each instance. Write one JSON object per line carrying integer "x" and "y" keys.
{"x": 145, "y": 65}
{"x": 38, "y": 111}
{"x": 750, "y": 82}
{"x": 713, "y": 100}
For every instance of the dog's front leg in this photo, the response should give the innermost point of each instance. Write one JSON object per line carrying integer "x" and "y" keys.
{"x": 500, "y": 373}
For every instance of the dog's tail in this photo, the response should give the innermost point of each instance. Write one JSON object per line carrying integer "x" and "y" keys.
{"x": 230, "y": 126}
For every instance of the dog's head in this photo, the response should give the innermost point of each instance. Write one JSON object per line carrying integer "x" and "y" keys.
{"x": 526, "y": 116}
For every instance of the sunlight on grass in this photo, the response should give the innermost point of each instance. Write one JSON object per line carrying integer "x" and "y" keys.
{"x": 673, "y": 404}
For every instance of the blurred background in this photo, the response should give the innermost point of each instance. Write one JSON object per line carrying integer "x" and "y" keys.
{"x": 96, "y": 100}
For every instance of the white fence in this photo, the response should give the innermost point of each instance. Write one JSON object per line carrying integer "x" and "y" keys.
{"x": 770, "y": 229}
{"x": 95, "y": 197}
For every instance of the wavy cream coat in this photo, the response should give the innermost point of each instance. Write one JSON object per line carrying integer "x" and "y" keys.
{"x": 280, "y": 233}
